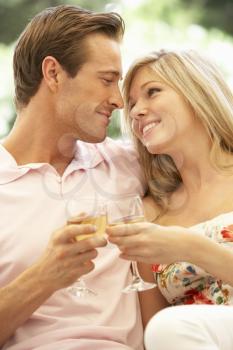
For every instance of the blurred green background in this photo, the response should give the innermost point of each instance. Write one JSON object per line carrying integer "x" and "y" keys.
{"x": 205, "y": 25}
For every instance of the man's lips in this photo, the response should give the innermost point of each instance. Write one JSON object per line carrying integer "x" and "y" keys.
{"x": 107, "y": 112}
{"x": 106, "y": 117}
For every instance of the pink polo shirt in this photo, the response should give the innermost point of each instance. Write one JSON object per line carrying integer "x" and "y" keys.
{"x": 35, "y": 201}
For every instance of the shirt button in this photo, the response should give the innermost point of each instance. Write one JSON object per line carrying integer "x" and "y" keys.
{"x": 59, "y": 179}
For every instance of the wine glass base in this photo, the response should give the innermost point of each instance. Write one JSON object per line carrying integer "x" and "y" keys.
{"x": 80, "y": 291}
{"x": 138, "y": 285}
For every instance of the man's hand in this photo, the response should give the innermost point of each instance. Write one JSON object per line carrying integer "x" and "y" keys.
{"x": 65, "y": 258}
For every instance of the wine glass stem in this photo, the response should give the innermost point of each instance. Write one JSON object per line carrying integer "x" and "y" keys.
{"x": 81, "y": 282}
{"x": 135, "y": 272}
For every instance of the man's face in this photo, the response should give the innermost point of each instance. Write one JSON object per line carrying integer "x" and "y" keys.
{"x": 85, "y": 102}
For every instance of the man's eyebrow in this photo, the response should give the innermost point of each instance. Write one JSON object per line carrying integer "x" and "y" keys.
{"x": 114, "y": 72}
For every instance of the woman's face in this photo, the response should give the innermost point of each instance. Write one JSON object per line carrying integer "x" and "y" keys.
{"x": 161, "y": 118}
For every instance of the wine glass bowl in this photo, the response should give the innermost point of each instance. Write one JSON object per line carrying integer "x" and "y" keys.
{"x": 128, "y": 210}
{"x": 94, "y": 213}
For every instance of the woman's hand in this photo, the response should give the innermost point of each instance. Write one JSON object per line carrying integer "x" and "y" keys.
{"x": 150, "y": 243}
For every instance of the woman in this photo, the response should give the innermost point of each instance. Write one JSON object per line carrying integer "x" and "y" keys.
{"x": 180, "y": 113}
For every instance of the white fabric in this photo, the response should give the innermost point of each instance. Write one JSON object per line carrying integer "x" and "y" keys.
{"x": 191, "y": 327}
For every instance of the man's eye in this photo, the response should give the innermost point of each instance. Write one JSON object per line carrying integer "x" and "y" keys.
{"x": 107, "y": 81}
{"x": 152, "y": 91}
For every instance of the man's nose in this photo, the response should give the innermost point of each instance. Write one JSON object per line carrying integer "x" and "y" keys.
{"x": 116, "y": 100}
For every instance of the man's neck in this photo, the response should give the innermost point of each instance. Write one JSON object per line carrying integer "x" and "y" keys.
{"x": 31, "y": 144}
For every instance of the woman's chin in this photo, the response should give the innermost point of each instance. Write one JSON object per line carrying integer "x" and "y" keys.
{"x": 156, "y": 149}
{"x": 152, "y": 148}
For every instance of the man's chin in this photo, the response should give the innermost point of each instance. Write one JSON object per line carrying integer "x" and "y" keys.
{"x": 93, "y": 138}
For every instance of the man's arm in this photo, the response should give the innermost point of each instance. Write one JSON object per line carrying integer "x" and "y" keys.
{"x": 19, "y": 299}
{"x": 62, "y": 263}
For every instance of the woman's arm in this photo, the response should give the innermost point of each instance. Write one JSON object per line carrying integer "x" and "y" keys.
{"x": 151, "y": 301}
{"x": 211, "y": 257}
{"x": 154, "y": 244}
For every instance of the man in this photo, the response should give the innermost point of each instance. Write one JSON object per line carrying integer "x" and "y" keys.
{"x": 66, "y": 67}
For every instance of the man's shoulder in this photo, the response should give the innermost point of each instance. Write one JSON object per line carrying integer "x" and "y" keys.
{"x": 118, "y": 148}
{"x": 122, "y": 159}
{"x": 119, "y": 155}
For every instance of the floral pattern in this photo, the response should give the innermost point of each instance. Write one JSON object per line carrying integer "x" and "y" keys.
{"x": 185, "y": 283}
{"x": 227, "y": 233}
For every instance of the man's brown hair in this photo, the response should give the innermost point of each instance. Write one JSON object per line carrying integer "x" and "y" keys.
{"x": 59, "y": 32}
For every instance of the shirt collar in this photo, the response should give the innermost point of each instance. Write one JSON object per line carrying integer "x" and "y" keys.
{"x": 86, "y": 156}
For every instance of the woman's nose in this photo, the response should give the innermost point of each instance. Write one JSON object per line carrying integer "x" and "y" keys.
{"x": 138, "y": 111}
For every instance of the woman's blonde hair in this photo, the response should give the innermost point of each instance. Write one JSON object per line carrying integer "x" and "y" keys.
{"x": 201, "y": 85}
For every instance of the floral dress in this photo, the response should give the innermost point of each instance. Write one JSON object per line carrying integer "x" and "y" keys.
{"x": 185, "y": 283}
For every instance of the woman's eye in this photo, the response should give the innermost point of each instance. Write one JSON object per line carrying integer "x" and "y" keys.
{"x": 131, "y": 106}
{"x": 152, "y": 91}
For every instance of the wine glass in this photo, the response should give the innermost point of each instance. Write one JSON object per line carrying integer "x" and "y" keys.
{"x": 128, "y": 210}
{"x": 94, "y": 213}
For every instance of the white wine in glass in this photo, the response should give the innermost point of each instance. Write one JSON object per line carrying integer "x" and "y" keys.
{"x": 98, "y": 221}
{"x": 95, "y": 214}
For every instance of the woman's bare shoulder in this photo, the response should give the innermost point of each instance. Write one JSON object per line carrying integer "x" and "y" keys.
{"x": 151, "y": 208}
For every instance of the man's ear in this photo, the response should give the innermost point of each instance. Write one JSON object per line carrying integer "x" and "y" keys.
{"x": 51, "y": 70}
